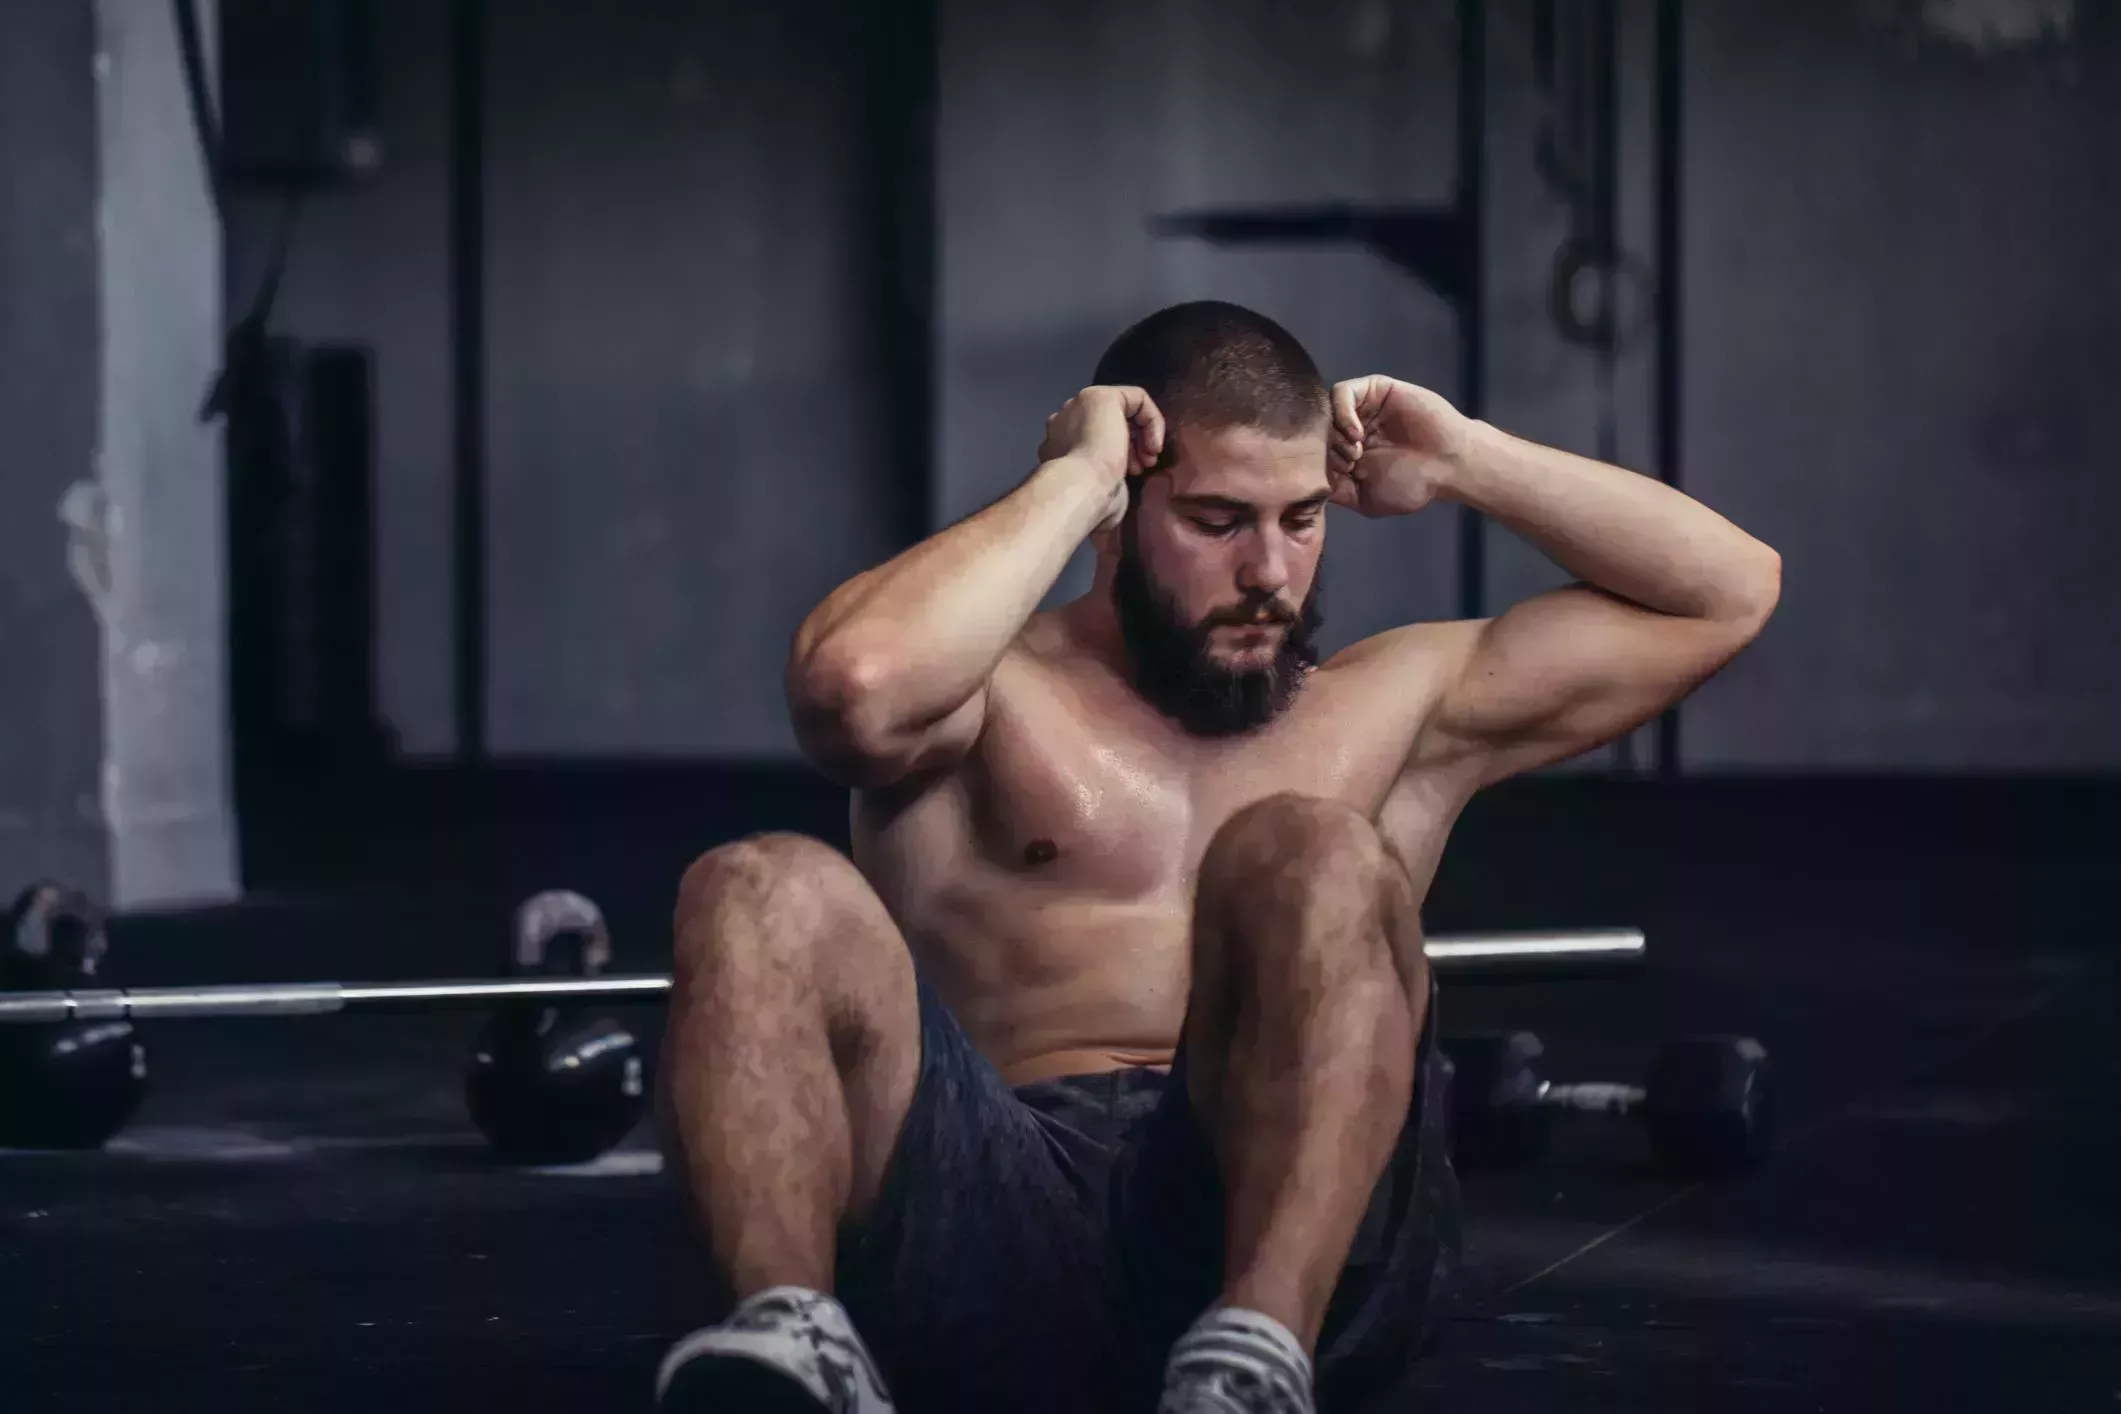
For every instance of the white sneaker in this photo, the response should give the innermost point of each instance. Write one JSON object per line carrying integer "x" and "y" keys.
{"x": 1237, "y": 1362}
{"x": 785, "y": 1349}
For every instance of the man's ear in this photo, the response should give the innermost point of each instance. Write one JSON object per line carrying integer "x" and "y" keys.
{"x": 1105, "y": 538}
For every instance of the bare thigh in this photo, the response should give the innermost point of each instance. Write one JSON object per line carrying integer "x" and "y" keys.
{"x": 783, "y": 929}
{"x": 970, "y": 1255}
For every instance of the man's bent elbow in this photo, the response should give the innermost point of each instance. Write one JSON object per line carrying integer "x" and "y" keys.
{"x": 836, "y": 681}
{"x": 1763, "y": 589}
{"x": 1747, "y": 591}
{"x": 837, "y": 703}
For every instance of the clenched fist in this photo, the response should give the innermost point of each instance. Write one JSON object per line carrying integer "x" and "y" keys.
{"x": 1393, "y": 445}
{"x": 1117, "y": 431}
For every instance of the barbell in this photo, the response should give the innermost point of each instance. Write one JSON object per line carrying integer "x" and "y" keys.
{"x": 1483, "y": 955}
{"x": 552, "y": 1080}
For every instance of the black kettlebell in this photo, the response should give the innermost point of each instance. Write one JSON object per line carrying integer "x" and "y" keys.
{"x": 556, "y": 1084}
{"x": 65, "y": 1084}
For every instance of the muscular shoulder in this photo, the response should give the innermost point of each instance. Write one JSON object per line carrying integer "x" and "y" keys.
{"x": 1404, "y": 673}
{"x": 1394, "y": 681}
{"x": 1049, "y": 661}
{"x": 1407, "y": 666}
{"x": 1024, "y": 677}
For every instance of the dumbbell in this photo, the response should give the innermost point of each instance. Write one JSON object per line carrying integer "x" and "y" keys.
{"x": 63, "y": 1084}
{"x": 556, "y": 1084}
{"x": 1708, "y": 1105}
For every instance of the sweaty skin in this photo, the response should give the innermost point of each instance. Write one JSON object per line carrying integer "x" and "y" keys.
{"x": 1046, "y": 884}
{"x": 1034, "y": 825}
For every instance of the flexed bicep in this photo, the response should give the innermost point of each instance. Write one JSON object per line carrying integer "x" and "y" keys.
{"x": 1567, "y": 671}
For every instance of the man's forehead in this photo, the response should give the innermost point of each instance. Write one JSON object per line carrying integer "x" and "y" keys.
{"x": 1249, "y": 464}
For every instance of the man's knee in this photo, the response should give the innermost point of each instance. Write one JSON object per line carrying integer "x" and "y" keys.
{"x": 766, "y": 891}
{"x": 1286, "y": 849}
{"x": 1292, "y": 869}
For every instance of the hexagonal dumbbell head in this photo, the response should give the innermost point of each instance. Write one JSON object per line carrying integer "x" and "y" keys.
{"x": 1710, "y": 1105}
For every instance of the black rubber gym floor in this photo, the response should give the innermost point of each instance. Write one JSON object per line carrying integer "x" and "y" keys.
{"x": 301, "y": 1218}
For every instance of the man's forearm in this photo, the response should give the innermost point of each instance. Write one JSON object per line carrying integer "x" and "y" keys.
{"x": 1629, "y": 535}
{"x": 907, "y": 643}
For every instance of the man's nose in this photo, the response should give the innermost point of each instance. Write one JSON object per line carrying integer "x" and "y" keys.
{"x": 1266, "y": 569}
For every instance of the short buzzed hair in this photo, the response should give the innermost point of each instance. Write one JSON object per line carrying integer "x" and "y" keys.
{"x": 1214, "y": 365}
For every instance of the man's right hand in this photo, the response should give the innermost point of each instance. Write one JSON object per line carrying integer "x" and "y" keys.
{"x": 1117, "y": 432}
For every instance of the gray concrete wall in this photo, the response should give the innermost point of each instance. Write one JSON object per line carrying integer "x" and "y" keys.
{"x": 166, "y": 765}
{"x": 1903, "y": 325}
{"x": 686, "y": 447}
{"x": 51, "y": 379}
{"x": 683, "y": 442}
{"x": 370, "y": 264}
{"x": 113, "y": 768}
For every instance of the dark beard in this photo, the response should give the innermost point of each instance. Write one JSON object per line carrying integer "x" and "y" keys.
{"x": 1173, "y": 671}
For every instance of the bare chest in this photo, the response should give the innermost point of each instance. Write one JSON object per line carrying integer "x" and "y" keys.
{"x": 1126, "y": 810}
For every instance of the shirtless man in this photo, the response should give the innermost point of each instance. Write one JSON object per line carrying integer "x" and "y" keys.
{"x": 1105, "y": 1068}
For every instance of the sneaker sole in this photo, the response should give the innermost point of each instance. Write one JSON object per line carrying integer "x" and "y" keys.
{"x": 712, "y": 1384}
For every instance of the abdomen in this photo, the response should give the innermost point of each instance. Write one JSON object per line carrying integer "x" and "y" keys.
{"x": 1030, "y": 977}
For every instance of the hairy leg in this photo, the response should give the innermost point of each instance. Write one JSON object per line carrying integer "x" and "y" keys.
{"x": 1309, "y": 991}
{"x": 791, "y": 1056}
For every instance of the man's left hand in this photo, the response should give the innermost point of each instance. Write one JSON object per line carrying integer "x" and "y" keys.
{"x": 1393, "y": 446}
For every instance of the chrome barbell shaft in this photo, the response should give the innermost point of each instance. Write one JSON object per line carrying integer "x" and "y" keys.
{"x": 1473, "y": 955}
{"x": 1535, "y": 954}
{"x": 423, "y": 994}
{"x": 314, "y": 998}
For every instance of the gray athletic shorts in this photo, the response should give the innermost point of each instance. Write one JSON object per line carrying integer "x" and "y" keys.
{"x": 1039, "y": 1249}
